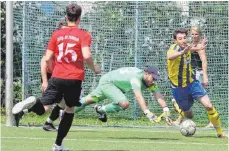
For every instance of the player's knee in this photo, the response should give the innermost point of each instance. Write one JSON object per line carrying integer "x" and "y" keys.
{"x": 124, "y": 105}
{"x": 69, "y": 109}
{"x": 209, "y": 106}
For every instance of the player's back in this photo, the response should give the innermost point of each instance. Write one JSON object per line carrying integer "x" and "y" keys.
{"x": 122, "y": 77}
{"x": 66, "y": 44}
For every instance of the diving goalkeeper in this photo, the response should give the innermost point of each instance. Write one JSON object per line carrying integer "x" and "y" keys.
{"x": 114, "y": 84}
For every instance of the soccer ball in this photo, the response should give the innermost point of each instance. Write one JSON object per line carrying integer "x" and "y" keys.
{"x": 188, "y": 128}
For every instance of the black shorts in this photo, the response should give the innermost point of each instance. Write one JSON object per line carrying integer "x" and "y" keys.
{"x": 58, "y": 88}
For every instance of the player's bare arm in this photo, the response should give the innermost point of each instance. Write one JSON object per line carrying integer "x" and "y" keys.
{"x": 203, "y": 58}
{"x": 141, "y": 101}
{"x": 160, "y": 99}
{"x": 89, "y": 60}
{"x": 198, "y": 47}
{"x": 175, "y": 54}
{"x": 48, "y": 59}
{"x": 44, "y": 74}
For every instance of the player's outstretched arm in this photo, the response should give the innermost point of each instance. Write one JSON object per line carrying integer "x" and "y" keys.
{"x": 166, "y": 113}
{"x": 141, "y": 101}
{"x": 171, "y": 55}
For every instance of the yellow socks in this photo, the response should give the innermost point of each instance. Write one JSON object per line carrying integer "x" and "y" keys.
{"x": 213, "y": 116}
{"x": 178, "y": 109}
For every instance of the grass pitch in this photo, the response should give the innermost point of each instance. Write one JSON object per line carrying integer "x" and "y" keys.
{"x": 111, "y": 139}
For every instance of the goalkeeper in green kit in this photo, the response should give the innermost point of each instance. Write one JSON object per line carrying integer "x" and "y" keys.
{"x": 114, "y": 84}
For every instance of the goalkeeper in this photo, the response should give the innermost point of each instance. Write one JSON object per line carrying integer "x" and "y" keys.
{"x": 114, "y": 84}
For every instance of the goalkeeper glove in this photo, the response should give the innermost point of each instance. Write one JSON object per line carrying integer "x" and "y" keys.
{"x": 168, "y": 118}
{"x": 166, "y": 115}
{"x": 151, "y": 117}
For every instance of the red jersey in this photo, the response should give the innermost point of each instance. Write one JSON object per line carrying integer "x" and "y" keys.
{"x": 66, "y": 43}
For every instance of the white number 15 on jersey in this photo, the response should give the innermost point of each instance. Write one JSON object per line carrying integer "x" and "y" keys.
{"x": 63, "y": 53}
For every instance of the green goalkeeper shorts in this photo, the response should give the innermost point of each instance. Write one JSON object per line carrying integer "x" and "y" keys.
{"x": 107, "y": 90}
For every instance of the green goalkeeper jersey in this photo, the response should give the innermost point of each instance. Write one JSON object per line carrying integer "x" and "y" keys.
{"x": 127, "y": 79}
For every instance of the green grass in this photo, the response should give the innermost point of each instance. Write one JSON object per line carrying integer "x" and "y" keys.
{"x": 100, "y": 138}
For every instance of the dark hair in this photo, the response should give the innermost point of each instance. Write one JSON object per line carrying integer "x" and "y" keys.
{"x": 73, "y": 12}
{"x": 179, "y": 31}
{"x": 61, "y": 24}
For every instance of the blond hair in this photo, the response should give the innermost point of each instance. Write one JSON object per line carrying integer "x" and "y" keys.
{"x": 197, "y": 29}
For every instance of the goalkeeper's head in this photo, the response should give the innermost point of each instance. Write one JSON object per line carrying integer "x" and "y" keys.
{"x": 151, "y": 75}
{"x": 73, "y": 13}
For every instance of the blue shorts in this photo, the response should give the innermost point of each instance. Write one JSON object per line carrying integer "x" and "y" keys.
{"x": 185, "y": 96}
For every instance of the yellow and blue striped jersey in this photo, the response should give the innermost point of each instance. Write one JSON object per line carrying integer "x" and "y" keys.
{"x": 180, "y": 70}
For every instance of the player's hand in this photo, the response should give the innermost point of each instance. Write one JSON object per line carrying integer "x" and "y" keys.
{"x": 186, "y": 49}
{"x": 205, "y": 82}
{"x": 97, "y": 69}
{"x": 204, "y": 41}
{"x": 44, "y": 85}
{"x": 151, "y": 117}
{"x": 168, "y": 119}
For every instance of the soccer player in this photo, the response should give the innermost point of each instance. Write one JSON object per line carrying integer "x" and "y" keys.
{"x": 114, "y": 84}
{"x": 185, "y": 87}
{"x": 46, "y": 74}
{"x": 198, "y": 62}
{"x": 71, "y": 47}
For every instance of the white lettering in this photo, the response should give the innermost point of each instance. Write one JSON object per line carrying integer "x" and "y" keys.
{"x": 61, "y": 38}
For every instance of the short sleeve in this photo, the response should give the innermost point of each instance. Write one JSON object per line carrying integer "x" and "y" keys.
{"x": 86, "y": 42}
{"x": 170, "y": 51}
{"x": 135, "y": 84}
{"x": 154, "y": 88}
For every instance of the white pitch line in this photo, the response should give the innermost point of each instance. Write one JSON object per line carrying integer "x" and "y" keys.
{"x": 118, "y": 141}
{"x": 167, "y": 130}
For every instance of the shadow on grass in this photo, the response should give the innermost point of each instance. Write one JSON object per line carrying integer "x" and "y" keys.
{"x": 100, "y": 150}
{"x": 210, "y": 136}
{"x": 141, "y": 138}
{"x": 85, "y": 131}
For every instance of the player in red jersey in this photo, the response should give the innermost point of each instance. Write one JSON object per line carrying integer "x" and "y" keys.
{"x": 46, "y": 74}
{"x": 71, "y": 47}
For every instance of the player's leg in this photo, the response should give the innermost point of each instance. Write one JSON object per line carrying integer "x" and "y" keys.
{"x": 184, "y": 101}
{"x": 199, "y": 93}
{"x": 213, "y": 115}
{"x": 179, "y": 95}
{"x": 116, "y": 96}
{"x": 37, "y": 105}
{"x": 94, "y": 97}
{"x": 178, "y": 110}
{"x": 71, "y": 90}
{"x": 48, "y": 125}
{"x": 199, "y": 77}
